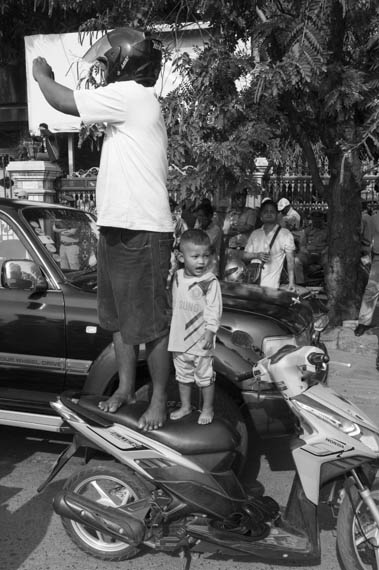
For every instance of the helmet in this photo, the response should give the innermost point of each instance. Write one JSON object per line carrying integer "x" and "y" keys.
{"x": 235, "y": 271}
{"x": 128, "y": 55}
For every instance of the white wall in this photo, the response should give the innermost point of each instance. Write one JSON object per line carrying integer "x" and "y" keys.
{"x": 63, "y": 52}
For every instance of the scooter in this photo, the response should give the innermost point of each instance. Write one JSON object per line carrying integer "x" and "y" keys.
{"x": 173, "y": 489}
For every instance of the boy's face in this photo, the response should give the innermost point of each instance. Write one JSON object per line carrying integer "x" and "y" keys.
{"x": 195, "y": 258}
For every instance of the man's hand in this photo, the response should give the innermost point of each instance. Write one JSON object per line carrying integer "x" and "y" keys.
{"x": 263, "y": 256}
{"x": 41, "y": 68}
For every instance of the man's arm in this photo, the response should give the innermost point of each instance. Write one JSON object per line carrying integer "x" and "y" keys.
{"x": 58, "y": 96}
{"x": 290, "y": 257}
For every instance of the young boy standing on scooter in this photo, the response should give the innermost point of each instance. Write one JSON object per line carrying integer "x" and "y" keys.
{"x": 197, "y": 309}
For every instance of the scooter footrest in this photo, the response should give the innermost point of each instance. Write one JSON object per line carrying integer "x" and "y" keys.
{"x": 239, "y": 534}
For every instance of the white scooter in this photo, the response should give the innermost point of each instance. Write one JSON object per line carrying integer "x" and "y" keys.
{"x": 173, "y": 489}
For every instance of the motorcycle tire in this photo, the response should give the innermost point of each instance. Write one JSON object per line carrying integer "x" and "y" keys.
{"x": 111, "y": 485}
{"x": 355, "y": 527}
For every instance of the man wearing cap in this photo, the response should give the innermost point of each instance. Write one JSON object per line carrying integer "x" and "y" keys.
{"x": 289, "y": 218}
{"x": 271, "y": 245}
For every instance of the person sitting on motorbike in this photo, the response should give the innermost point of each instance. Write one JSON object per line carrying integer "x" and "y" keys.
{"x": 313, "y": 247}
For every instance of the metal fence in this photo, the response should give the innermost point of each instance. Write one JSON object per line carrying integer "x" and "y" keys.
{"x": 293, "y": 182}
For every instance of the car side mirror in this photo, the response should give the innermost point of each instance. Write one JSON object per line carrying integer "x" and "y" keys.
{"x": 23, "y": 274}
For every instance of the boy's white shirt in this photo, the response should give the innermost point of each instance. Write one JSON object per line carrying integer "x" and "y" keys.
{"x": 197, "y": 307}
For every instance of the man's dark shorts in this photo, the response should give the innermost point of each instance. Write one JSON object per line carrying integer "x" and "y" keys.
{"x": 132, "y": 295}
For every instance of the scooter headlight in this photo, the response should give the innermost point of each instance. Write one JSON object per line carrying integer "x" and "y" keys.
{"x": 352, "y": 429}
{"x": 338, "y": 422}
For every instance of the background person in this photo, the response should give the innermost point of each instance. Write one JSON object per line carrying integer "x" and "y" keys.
{"x": 197, "y": 310}
{"x": 132, "y": 205}
{"x": 289, "y": 217}
{"x": 239, "y": 222}
{"x": 68, "y": 244}
{"x": 49, "y": 143}
{"x": 371, "y": 292}
{"x": 282, "y": 248}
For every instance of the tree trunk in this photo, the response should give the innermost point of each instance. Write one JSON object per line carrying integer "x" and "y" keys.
{"x": 344, "y": 224}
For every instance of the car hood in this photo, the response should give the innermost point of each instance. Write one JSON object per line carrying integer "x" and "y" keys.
{"x": 280, "y": 305}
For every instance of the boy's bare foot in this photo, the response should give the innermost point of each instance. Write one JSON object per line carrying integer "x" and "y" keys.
{"x": 154, "y": 417}
{"x": 115, "y": 402}
{"x": 206, "y": 417}
{"x": 180, "y": 413}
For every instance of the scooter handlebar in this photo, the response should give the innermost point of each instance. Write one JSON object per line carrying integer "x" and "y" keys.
{"x": 317, "y": 358}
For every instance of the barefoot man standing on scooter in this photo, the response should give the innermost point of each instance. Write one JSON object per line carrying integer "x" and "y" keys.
{"x": 132, "y": 203}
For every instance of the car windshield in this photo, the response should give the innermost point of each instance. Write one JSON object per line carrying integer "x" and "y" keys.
{"x": 70, "y": 236}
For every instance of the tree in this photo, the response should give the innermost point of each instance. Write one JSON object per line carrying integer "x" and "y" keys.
{"x": 310, "y": 79}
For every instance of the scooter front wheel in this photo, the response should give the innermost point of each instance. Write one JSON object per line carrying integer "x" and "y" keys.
{"x": 112, "y": 486}
{"x": 357, "y": 532}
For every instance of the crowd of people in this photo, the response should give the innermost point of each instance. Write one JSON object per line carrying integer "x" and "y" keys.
{"x": 275, "y": 238}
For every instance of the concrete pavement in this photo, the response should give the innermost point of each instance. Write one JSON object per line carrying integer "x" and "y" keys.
{"x": 358, "y": 382}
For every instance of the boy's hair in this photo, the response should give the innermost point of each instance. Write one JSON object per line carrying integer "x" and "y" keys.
{"x": 196, "y": 237}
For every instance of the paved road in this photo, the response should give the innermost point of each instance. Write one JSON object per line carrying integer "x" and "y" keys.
{"x": 31, "y": 534}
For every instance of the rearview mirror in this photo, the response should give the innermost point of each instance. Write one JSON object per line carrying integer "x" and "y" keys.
{"x": 22, "y": 274}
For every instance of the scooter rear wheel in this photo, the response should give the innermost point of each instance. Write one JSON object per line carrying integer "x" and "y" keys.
{"x": 110, "y": 485}
{"x": 357, "y": 533}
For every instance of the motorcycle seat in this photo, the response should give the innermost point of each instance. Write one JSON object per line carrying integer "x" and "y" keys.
{"x": 185, "y": 435}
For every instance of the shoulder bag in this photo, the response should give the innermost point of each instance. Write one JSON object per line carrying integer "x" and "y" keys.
{"x": 254, "y": 270}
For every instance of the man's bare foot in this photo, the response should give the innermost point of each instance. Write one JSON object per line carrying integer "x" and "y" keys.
{"x": 180, "y": 413}
{"x": 115, "y": 402}
{"x": 206, "y": 417}
{"x": 154, "y": 417}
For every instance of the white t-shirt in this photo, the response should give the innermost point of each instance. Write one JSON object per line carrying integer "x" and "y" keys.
{"x": 131, "y": 185}
{"x": 260, "y": 241}
{"x": 291, "y": 221}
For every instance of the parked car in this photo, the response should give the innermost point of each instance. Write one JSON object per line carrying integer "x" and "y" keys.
{"x": 50, "y": 339}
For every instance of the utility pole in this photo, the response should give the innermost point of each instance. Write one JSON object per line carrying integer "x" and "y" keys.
{"x": 4, "y": 160}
